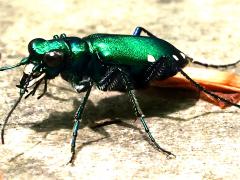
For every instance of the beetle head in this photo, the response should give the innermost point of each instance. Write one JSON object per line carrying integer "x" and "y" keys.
{"x": 45, "y": 61}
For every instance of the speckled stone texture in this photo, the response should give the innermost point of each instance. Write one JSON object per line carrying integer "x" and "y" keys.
{"x": 204, "y": 137}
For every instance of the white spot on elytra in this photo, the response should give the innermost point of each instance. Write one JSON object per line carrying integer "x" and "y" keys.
{"x": 150, "y": 58}
{"x": 183, "y": 55}
{"x": 175, "y": 57}
{"x": 51, "y": 53}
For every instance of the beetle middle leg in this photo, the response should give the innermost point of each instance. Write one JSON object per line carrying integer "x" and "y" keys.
{"x": 138, "y": 112}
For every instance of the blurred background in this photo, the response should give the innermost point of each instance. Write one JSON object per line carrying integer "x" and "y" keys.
{"x": 204, "y": 138}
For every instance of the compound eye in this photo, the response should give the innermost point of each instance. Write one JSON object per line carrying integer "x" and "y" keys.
{"x": 53, "y": 58}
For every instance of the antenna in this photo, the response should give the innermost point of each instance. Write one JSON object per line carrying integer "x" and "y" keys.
{"x": 22, "y": 62}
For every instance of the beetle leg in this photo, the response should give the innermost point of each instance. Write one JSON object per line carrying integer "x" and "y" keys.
{"x": 34, "y": 89}
{"x": 83, "y": 85}
{"x": 138, "y": 30}
{"x": 201, "y": 88}
{"x": 139, "y": 112}
{"x": 77, "y": 121}
{"x": 44, "y": 90}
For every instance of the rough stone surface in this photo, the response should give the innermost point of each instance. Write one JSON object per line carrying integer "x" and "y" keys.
{"x": 204, "y": 137}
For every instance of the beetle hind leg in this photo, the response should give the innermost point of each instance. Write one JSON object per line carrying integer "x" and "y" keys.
{"x": 139, "y": 30}
{"x": 210, "y": 93}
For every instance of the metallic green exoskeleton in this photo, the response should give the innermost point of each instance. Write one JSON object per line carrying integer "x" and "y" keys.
{"x": 109, "y": 61}
{"x": 93, "y": 57}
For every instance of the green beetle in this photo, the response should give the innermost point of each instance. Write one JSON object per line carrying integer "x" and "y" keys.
{"x": 109, "y": 61}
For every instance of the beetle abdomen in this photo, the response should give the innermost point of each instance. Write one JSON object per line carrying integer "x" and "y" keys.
{"x": 139, "y": 55}
{"x": 131, "y": 50}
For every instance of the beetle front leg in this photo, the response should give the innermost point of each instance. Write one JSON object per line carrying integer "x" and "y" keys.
{"x": 83, "y": 85}
{"x": 140, "y": 114}
{"x": 77, "y": 121}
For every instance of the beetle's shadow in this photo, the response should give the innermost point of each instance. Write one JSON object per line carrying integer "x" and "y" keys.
{"x": 154, "y": 102}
